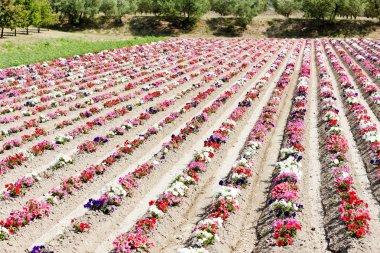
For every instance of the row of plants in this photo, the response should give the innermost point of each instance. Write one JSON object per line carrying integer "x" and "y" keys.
{"x": 363, "y": 124}
{"x": 353, "y": 210}
{"x": 225, "y": 202}
{"x": 365, "y": 84}
{"x": 12, "y": 224}
{"x": 122, "y": 98}
{"x": 191, "y": 176}
{"x": 92, "y": 146}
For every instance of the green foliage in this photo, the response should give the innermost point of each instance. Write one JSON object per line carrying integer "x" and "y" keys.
{"x": 17, "y": 52}
{"x": 11, "y": 14}
{"x": 318, "y": 9}
{"x": 77, "y": 10}
{"x": 247, "y": 9}
{"x": 118, "y": 8}
{"x": 224, "y": 7}
{"x": 108, "y": 7}
{"x": 372, "y": 8}
{"x": 174, "y": 9}
{"x": 145, "y": 6}
{"x": 286, "y": 7}
{"x": 243, "y": 10}
{"x": 37, "y": 12}
{"x": 354, "y": 8}
{"x": 323, "y": 9}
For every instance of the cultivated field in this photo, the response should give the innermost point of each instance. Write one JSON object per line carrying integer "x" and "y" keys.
{"x": 194, "y": 145}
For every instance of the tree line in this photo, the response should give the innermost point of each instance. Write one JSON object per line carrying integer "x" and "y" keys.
{"x": 42, "y": 13}
{"x": 182, "y": 11}
{"x": 25, "y": 13}
{"x": 329, "y": 9}
{"x": 39, "y": 13}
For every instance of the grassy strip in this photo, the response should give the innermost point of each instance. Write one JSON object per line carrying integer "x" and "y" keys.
{"x": 16, "y": 53}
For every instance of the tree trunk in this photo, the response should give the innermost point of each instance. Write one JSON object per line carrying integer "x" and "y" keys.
{"x": 2, "y": 32}
{"x": 333, "y": 16}
{"x": 81, "y": 18}
{"x": 15, "y": 32}
{"x": 27, "y": 30}
{"x": 38, "y": 29}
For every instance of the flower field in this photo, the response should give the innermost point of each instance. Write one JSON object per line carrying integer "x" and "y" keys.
{"x": 193, "y": 146}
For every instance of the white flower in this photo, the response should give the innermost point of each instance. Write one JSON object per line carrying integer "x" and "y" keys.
{"x": 226, "y": 192}
{"x": 192, "y": 250}
{"x": 51, "y": 198}
{"x": 185, "y": 179}
{"x": 231, "y": 122}
{"x": 26, "y": 113}
{"x": 43, "y": 118}
{"x": 290, "y": 165}
{"x": 5, "y": 232}
{"x": 153, "y": 209}
{"x": 110, "y": 134}
{"x": 115, "y": 188}
{"x": 242, "y": 161}
{"x": 330, "y": 116}
{"x": 285, "y": 152}
{"x": 127, "y": 125}
{"x": 285, "y": 204}
{"x": 371, "y": 136}
{"x": 335, "y": 130}
{"x": 178, "y": 189}
{"x": 34, "y": 174}
{"x": 352, "y": 100}
{"x": 61, "y": 139}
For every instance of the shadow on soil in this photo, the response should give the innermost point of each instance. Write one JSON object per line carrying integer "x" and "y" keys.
{"x": 151, "y": 26}
{"x": 224, "y": 26}
{"x": 306, "y": 28}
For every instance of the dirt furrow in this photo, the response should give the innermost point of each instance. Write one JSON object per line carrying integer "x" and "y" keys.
{"x": 363, "y": 97}
{"x": 195, "y": 205}
{"x": 136, "y": 158}
{"x": 337, "y": 239}
{"x": 185, "y": 207}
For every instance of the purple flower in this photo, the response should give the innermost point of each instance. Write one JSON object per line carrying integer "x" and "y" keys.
{"x": 40, "y": 249}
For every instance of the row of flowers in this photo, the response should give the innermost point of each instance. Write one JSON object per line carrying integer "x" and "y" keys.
{"x": 89, "y": 113}
{"x": 354, "y": 48}
{"x": 97, "y": 99}
{"x": 367, "y": 128}
{"x": 129, "y": 85}
{"x": 366, "y": 85}
{"x": 353, "y": 211}
{"x": 129, "y": 181}
{"x": 91, "y": 146}
{"x": 132, "y": 73}
{"x": 62, "y": 139}
{"x": 371, "y": 47}
{"x": 90, "y": 77}
{"x": 225, "y": 202}
{"x": 179, "y": 187}
{"x": 11, "y": 224}
{"x": 284, "y": 197}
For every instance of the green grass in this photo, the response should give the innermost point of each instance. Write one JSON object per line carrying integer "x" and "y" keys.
{"x": 19, "y": 53}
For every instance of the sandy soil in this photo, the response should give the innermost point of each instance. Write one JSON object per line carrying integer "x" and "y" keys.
{"x": 248, "y": 230}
